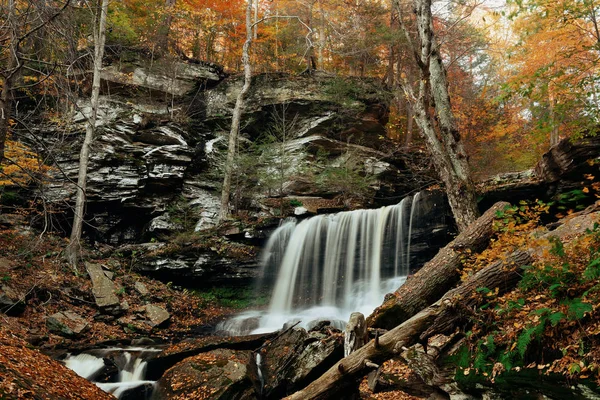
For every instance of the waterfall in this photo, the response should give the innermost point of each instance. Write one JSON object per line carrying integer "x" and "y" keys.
{"x": 328, "y": 266}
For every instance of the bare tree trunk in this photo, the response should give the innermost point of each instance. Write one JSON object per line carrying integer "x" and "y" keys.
{"x": 73, "y": 250}
{"x": 8, "y": 78}
{"x": 322, "y": 37}
{"x": 439, "y": 130}
{"x": 6, "y": 107}
{"x": 461, "y": 194}
{"x": 237, "y": 116}
{"x": 554, "y": 120}
{"x": 255, "y": 22}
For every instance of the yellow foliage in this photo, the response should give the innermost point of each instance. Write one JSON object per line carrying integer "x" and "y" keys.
{"x": 21, "y": 166}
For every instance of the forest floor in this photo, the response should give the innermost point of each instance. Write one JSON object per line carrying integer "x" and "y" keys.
{"x": 35, "y": 277}
{"x": 33, "y": 267}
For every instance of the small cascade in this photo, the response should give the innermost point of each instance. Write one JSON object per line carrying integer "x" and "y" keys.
{"x": 329, "y": 266}
{"x": 130, "y": 364}
{"x": 85, "y": 365}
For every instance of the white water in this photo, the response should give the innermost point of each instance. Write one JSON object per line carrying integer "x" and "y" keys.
{"x": 85, "y": 365}
{"x": 329, "y": 266}
{"x": 132, "y": 368}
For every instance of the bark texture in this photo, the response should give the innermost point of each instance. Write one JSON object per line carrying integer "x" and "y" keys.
{"x": 73, "y": 250}
{"x": 437, "y": 276}
{"x": 439, "y": 128}
{"x": 355, "y": 335}
{"x": 237, "y": 117}
{"x": 8, "y": 78}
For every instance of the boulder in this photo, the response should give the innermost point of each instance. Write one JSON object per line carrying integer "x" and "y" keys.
{"x": 292, "y": 360}
{"x": 141, "y": 288}
{"x": 103, "y": 288}
{"x": 12, "y": 302}
{"x": 217, "y": 374}
{"x": 156, "y": 315}
{"x": 66, "y": 323}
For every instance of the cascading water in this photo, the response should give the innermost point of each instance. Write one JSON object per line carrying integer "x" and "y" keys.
{"x": 131, "y": 369}
{"x": 329, "y": 266}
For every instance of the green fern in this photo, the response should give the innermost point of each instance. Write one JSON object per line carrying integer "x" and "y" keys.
{"x": 555, "y": 318}
{"x": 577, "y": 308}
{"x": 592, "y": 271}
{"x": 525, "y": 338}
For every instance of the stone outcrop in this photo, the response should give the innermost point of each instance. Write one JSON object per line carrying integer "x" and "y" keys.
{"x": 154, "y": 162}
{"x": 562, "y": 169}
{"x": 171, "y": 77}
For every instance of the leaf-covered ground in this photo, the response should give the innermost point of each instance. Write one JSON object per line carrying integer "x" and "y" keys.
{"x": 550, "y": 322}
{"x": 32, "y": 269}
{"x": 25, "y": 373}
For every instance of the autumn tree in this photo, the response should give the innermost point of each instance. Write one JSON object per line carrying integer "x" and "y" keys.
{"x": 20, "y": 21}
{"x": 556, "y": 65}
{"x": 237, "y": 116}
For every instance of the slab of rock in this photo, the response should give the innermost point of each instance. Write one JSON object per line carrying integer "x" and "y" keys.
{"x": 141, "y": 288}
{"x": 178, "y": 352}
{"x": 156, "y": 315}
{"x": 217, "y": 375}
{"x": 103, "y": 288}
{"x": 11, "y": 301}
{"x": 66, "y": 323}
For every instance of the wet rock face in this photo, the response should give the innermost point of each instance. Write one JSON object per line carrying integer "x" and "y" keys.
{"x": 197, "y": 268}
{"x": 154, "y": 160}
{"x": 224, "y": 368}
{"x": 217, "y": 374}
{"x": 292, "y": 360}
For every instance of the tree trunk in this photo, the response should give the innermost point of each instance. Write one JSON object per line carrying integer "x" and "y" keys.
{"x": 440, "y": 130}
{"x": 8, "y": 78}
{"x": 73, "y": 250}
{"x": 165, "y": 28}
{"x": 355, "y": 335}
{"x": 237, "y": 116}
{"x": 502, "y": 274}
{"x": 437, "y": 276}
{"x": 5, "y": 111}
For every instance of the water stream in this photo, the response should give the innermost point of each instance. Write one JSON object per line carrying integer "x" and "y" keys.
{"x": 328, "y": 266}
{"x": 130, "y": 363}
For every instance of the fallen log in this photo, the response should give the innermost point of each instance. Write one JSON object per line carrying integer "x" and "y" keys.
{"x": 502, "y": 275}
{"x": 437, "y": 276}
